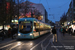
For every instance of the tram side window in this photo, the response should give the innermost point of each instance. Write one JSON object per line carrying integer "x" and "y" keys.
{"x": 36, "y": 27}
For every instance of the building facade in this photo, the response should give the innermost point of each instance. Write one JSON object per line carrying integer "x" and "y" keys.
{"x": 68, "y": 15}
{"x": 29, "y": 9}
{"x": 71, "y": 12}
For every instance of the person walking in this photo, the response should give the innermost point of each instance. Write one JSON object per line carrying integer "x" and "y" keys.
{"x": 9, "y": 32}
{"x": 70, "y": 30}
{"x": 61, "y": 30}
{"x": 54, "y": 34}
{"x": 2, "y": 34}
{"x": 13, "y": 32}
{"x": 64, "y": 31}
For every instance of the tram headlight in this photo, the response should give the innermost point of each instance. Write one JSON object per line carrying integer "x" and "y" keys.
{"x": 19, "y": 34}
{"x": 31, "y": 34}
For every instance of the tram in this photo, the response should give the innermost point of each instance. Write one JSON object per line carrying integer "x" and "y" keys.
{"x": 30, "y": 28}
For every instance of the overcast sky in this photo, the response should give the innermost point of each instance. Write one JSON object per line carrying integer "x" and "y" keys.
{"x": 54, "y": 7}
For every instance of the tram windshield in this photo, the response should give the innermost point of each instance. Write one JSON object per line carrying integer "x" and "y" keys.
{"x": 25, "y": 26}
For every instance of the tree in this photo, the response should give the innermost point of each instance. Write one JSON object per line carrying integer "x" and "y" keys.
{"x": 63, "y": 18}
{"x": 29, "y": 10}
{"x": 6, "y": 11}
{"x": 2, "y": 13}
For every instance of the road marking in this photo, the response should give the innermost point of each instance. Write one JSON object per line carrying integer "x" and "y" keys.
{"x": 35, "y": 46}
{"x": 23, "y": 44}
{"x": 44, "y": 48}
{"x": 39, "y": 43}
{"x": 18, "y": 44}
{"x": 6, "y": 45}
{"x": 60, "y": 39}
{"x": 14, "y": 47}
{"x": 73, "y": 36}
{"x": 68, "y": 41}
{"x": 47, "y": 44}
{"x": 53, "y": 44}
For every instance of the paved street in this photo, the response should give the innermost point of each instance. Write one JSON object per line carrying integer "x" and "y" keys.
{"x": 42, "y": 43}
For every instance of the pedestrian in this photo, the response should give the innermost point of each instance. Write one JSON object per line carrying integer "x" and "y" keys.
{"x": 13, "y": 32}
{"x": 54, "y": 34}
{"x": 9, "y": 32}
{"x": 71, "y": 30}
{"x": 61, "y": 30}
{"x": 64, "y": 31}
{"x": 2, "y": 34}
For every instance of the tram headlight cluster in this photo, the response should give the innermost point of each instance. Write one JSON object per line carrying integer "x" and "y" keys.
{"x": 19, "y": 34}
{"x": 31, "y": 34}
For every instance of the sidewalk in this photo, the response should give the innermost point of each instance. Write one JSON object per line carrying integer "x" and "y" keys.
{"x": 7, "y": 40}
{"x": 67, "y": 40}
{"x": 66, "y": 37}
{"x": 64, "y": 43}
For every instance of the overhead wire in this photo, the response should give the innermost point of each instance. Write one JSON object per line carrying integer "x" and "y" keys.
{"x": 47, "y": 3}
{"x": 60, "y": 6}
{"x": 55, "y": 8}
{"x": 49, "y": 10}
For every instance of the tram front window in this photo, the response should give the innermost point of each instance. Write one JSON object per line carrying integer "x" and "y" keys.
{"x": 25, "y": 27}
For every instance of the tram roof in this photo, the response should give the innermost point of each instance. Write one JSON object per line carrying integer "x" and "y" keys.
{"x": 22, "y": 19}
{"x": 27, "y": 19}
